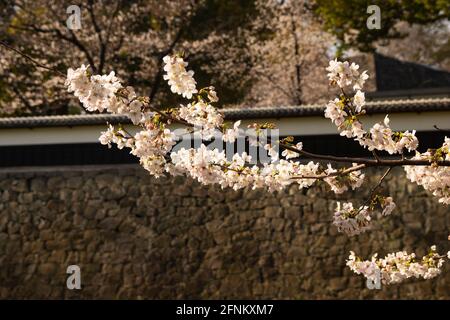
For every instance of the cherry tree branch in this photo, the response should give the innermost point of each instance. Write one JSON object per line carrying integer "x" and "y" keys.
{"x": 372, "y": 192}
{"x": 333, "y": 174}
{"x": 380, "y": 181}
{"x": 36, "y": 63}
{"x": 368, "y": 162}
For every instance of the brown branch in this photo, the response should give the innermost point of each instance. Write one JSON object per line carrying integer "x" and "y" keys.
{"x": 20, "y": 96}
{"x": 376, "y": 155}
{"x": 73, "y": 39}
{"x": 372, "y": 192}
{"x": 98, "y": 31}
{"x": 108, "y": 30}
{"x": 298, "y": 92}
{"x": 333, "y": 174}
{"x": 367, "y": 162}
{"x": 380, "y": 181}
{"x": 166, "y": 116}
{"x": 273, "y": 82}
{"x": 38, "y": 64}
{"x": 159, "y": 74}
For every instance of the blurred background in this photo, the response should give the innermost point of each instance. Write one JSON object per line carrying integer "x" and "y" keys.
{"x": 255, "y": 52}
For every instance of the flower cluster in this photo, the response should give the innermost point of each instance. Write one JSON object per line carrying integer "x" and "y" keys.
{"x": 99, "y": 93}
{"x": 151, "y": 142}
{"x": 397, "y": 267}
{"x": 352, "y": 221}
{"x": 345, "y": 74}
{"x": 433, "y": 178}
{"x": 118, "y": 137}
{"x": 340, "y": 183}
{"x": 154, "y": 142}
{"x": 230, "y": 135}
{"x": 203, "y": 116}
{"x": 380, "y": 137}
{"x": 211, "y": 167}
{"x": 180, "y": 81}
{"x": 94, "y": 92}
{"x": 383, "y": 138}
{"x": 344, "y": 112}
{"x": 289, "y": 154}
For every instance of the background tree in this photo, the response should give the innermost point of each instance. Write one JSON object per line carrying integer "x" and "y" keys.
{"x": 347, "y": 19}
{"x": 426, "y": 44}
{"x": 288, "y": 56}
{"x": 130, "y": 37}
{"x": 256, "y": 53}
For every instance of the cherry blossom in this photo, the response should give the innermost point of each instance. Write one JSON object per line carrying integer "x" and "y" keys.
{"x": 354, "y": 221}
{"x": 180, "y": 81}
{"x": 202, "y": 115}
{"x": 345, "y": 74}
{"x": 350, "y": 220}
{"x": 344, "y": 113}
{"x": 153, "y": 144}
{"x": 388, "y": 206}
{"x": 272, "y": 151}
{"x": 289, "y": 154}
{"x": 359, "y": 100}
{"x": 433, "y": 178}
{"x": 230, "y": 135}
{"x": 397, "y": 267}
{"x": 341, "y": 183}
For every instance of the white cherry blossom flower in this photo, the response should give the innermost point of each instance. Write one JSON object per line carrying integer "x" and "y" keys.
{"x": 289, "y": 154}
{"x": 153, "y": 146}
{"x": 272, "y": 151}
{"x": 359, "y": 100}
{"x": 180, "y": 81}
{"x": 433, "y": 178}
{"x": 230, "y": 135}
{"x": 107, "y": 137}
{"x": 350, "y": 220}
{"x": 388, "y": 206}
{"x": 397, "y": 267}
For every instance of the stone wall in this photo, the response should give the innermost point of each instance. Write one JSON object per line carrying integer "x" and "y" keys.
{"x": 138, "y": 237}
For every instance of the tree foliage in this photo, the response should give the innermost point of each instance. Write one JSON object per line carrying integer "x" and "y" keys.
{"x": 347, "y": 20}
{"x": 130, "y": 37}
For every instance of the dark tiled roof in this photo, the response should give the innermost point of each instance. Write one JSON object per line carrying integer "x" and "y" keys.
{"x": 61, "y": 121}
{"x": 372, "y": 107}
{"x": 393, "y": 74}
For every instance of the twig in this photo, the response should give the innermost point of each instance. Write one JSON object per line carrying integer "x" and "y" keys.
{"x": 38, "y": 64}
{"x": 367, "y": 162}
{"x": 166, "y": 116}
{"x": 362, "y": 161}
{"x": 372, "y": 192}
{"x": 439, "y": 129}
{"x": 375, "y": 155}
{"x": 337, "y": 173}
